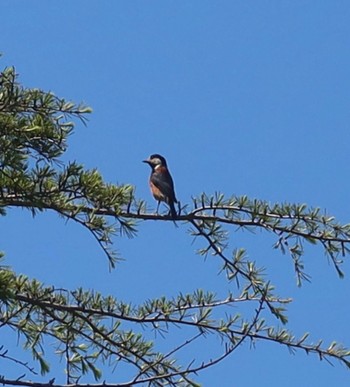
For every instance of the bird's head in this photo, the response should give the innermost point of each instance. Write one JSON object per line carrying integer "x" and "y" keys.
{"x": 155, "y": 161}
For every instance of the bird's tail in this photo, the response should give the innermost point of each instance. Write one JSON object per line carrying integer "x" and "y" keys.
{"x": 172, "y": 210}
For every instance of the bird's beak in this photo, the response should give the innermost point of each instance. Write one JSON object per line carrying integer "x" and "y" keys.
{"x": 146, "y": 161}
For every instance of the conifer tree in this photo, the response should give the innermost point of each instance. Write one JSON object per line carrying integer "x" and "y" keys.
{"x": 90, "y": 331}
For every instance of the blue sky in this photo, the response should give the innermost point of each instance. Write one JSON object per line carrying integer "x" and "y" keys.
{"x": 241, "y": 97}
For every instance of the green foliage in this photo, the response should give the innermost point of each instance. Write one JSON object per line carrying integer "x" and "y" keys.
{"x": 91, "y": 332}
{"x": 33, "y": 135}
{"x": 293, "y": 225}
{"x": 33, "y": 123}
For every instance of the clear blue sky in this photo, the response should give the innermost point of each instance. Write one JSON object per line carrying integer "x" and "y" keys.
{"x": 241, "y": 97}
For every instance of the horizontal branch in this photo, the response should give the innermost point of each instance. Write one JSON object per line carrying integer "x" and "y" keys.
{"x": 122, "y": 316}
{"x": 196, "y": 214}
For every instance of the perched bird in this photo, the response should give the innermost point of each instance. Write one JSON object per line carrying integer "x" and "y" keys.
{"x": 161, "y": 182}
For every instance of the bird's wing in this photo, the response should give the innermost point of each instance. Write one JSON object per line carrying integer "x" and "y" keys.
{"x": 164, "y": 182}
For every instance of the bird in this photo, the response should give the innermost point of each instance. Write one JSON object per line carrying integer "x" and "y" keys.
{"x": 161, "y": 182}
